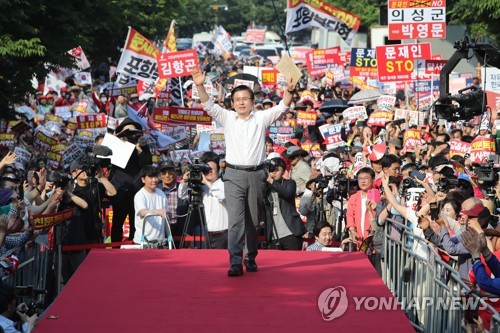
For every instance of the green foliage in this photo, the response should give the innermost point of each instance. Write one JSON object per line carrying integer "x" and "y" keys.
{"x": 480, "y": 17}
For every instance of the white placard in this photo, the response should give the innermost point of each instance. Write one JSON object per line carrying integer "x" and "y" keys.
{"x": 121, "y": 150}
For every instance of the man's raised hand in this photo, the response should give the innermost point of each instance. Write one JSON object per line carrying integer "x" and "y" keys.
{"x": 198, "y": 76}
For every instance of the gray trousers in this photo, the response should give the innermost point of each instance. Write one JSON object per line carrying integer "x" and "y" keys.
{"x": 244, "y": 192}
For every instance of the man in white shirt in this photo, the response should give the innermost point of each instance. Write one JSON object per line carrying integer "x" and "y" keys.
{"x": 150, "y": 200}
{"x": 214, "y": 201}
{"x": 245, "y": 175}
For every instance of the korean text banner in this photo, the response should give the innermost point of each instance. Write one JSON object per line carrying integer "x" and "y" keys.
{"x": 412, "y": 19}
{"x": 177, "y": 64}
{"x": 302, "y": 14}
{"x": 363, "y": 63}
{"x": 138, "y": 58}
{"x": 396, "y": 62}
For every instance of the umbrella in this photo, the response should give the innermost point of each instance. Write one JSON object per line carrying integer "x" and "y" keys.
{"x": 333, "y": 106}
{"x": 368, "y": 95}
{"x": 242, "y": 76}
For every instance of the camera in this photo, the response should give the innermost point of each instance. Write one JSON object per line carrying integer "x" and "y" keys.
{"x": 408, "y": 183}
{"x": 446, "y": 184}
{"x": 271, "y": 165}
{"x": 322, "y": 182}
{"x": 59, "y": 179}
{"x": 91, "y": 162}
{"x": 196, "y": 172}
{"x": 132, "y": 135}
{"x": 462, "y": 106}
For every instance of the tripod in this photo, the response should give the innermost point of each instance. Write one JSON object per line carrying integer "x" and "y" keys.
{"x": 196, "y": 205}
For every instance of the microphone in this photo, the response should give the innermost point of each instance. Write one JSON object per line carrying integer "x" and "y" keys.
{"x": 102, "y": 150}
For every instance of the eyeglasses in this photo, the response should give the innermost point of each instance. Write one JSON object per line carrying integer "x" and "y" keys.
{"x": 244, "y": 100}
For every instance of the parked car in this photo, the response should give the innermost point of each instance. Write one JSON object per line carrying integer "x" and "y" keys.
{"x": 184, "y": 44}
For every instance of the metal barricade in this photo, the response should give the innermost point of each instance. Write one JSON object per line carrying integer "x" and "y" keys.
{"x": 429, "y": 290}
{"x": 32, "y": 270}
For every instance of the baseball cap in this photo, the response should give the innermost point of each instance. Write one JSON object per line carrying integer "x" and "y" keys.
{"x": 165, "y": 165}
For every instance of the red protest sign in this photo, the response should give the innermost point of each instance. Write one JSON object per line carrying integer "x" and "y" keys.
{"x": 269, "y": 76}
{"x": 458, "y": 147}
{"x": 416, "y": 19}
{"x": 396, "y": 62}
{"x": 306, "y": 118}
{"x": 254, "y": 36}
{"x": 89, "y": 121}
{"x": 434, "y": 66}
{"x": 181, "y": 116}
{"x": 177, "y": 64}
{"x": 325, "y": 57}
{"x": 412, "y": 138}
{"x": 481, "y": 148}
{"x": 379, "y": 118}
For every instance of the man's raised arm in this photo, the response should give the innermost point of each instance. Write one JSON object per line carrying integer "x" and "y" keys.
{"x": 199, "y": 80}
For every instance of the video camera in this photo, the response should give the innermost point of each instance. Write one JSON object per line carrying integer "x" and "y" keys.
{"x": 462, "y": 106}
{"x": 91, "y": 162}
{"x": 132, "y": 135}
{"x": 30, "y": 308}
{"x": 196, "y": 171}
{"x": 59, "y": 179}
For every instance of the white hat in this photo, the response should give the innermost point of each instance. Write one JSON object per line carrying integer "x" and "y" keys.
{"x": 273, "y": 155}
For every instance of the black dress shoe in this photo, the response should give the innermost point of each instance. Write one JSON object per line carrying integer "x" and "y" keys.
{"x": 251, "y": 265}
{"x": 235, "y": 270}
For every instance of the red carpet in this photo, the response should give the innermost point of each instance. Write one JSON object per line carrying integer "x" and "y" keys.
{"x": 189, "y": 291}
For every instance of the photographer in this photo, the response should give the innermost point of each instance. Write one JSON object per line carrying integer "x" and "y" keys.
{"x": 214, "y": 200}
{"x": 10, "y": 312}
{"x": 84, "y": 226}
{"x": 284, "y": 227}
{"x": 92, "y": 195}
{"x": 127, "y": 181}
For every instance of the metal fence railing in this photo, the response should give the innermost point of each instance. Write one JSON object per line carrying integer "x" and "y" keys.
{"x": 430, "y": 291}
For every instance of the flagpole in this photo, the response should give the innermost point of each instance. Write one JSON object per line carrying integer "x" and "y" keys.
{"x": 283, "y": 36}
{"x": 182, "y": 92}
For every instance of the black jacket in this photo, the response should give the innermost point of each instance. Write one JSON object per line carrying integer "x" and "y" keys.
{"x": 286, "y": 196}
{"x": 129, "y": 179}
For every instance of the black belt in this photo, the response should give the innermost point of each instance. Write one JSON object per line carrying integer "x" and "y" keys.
{"x": 245, "y": 168}
{"x": 217, "y": 232}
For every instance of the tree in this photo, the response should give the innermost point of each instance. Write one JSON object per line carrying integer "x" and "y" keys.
{"x": 480, "y": 17}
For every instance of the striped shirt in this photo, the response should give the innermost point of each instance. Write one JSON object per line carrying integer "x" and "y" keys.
{"x": 317, "y": 246}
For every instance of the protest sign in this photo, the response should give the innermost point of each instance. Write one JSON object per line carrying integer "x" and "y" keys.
{"x": 286, "y": 67}
{"x": 363, "y": 62}
{"x": 217, "y": 143}
{"x": 355, "y": 112}
{"x": 379, "y": 118}
{"x": 53, "y": 160}
{"x": 396, "y": 62}
{"x": 460, "y": 148}
{"x": 416, "y": 19}
{"x": 331, "y": 134}
{"x": 23, "y": 155}
{"x": 181, "y": 116}
{"x": 481, "y": 148}
{"x": 121, "y": 150}
{"x": 72, "y": 153}
{"x": 412, "y": 138}
{"x": 7, "y": 140}
{"x": 177, "y": 64}
{"x": 269, "y": 77}
{"x": 254, "y": 36}
{"x": 247, "y": 83}
{"x": 138, "y": 59}
{"x": 305, "y": 118}
{"x": 386, "y": 102}
{"x": 302, "y": 14}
